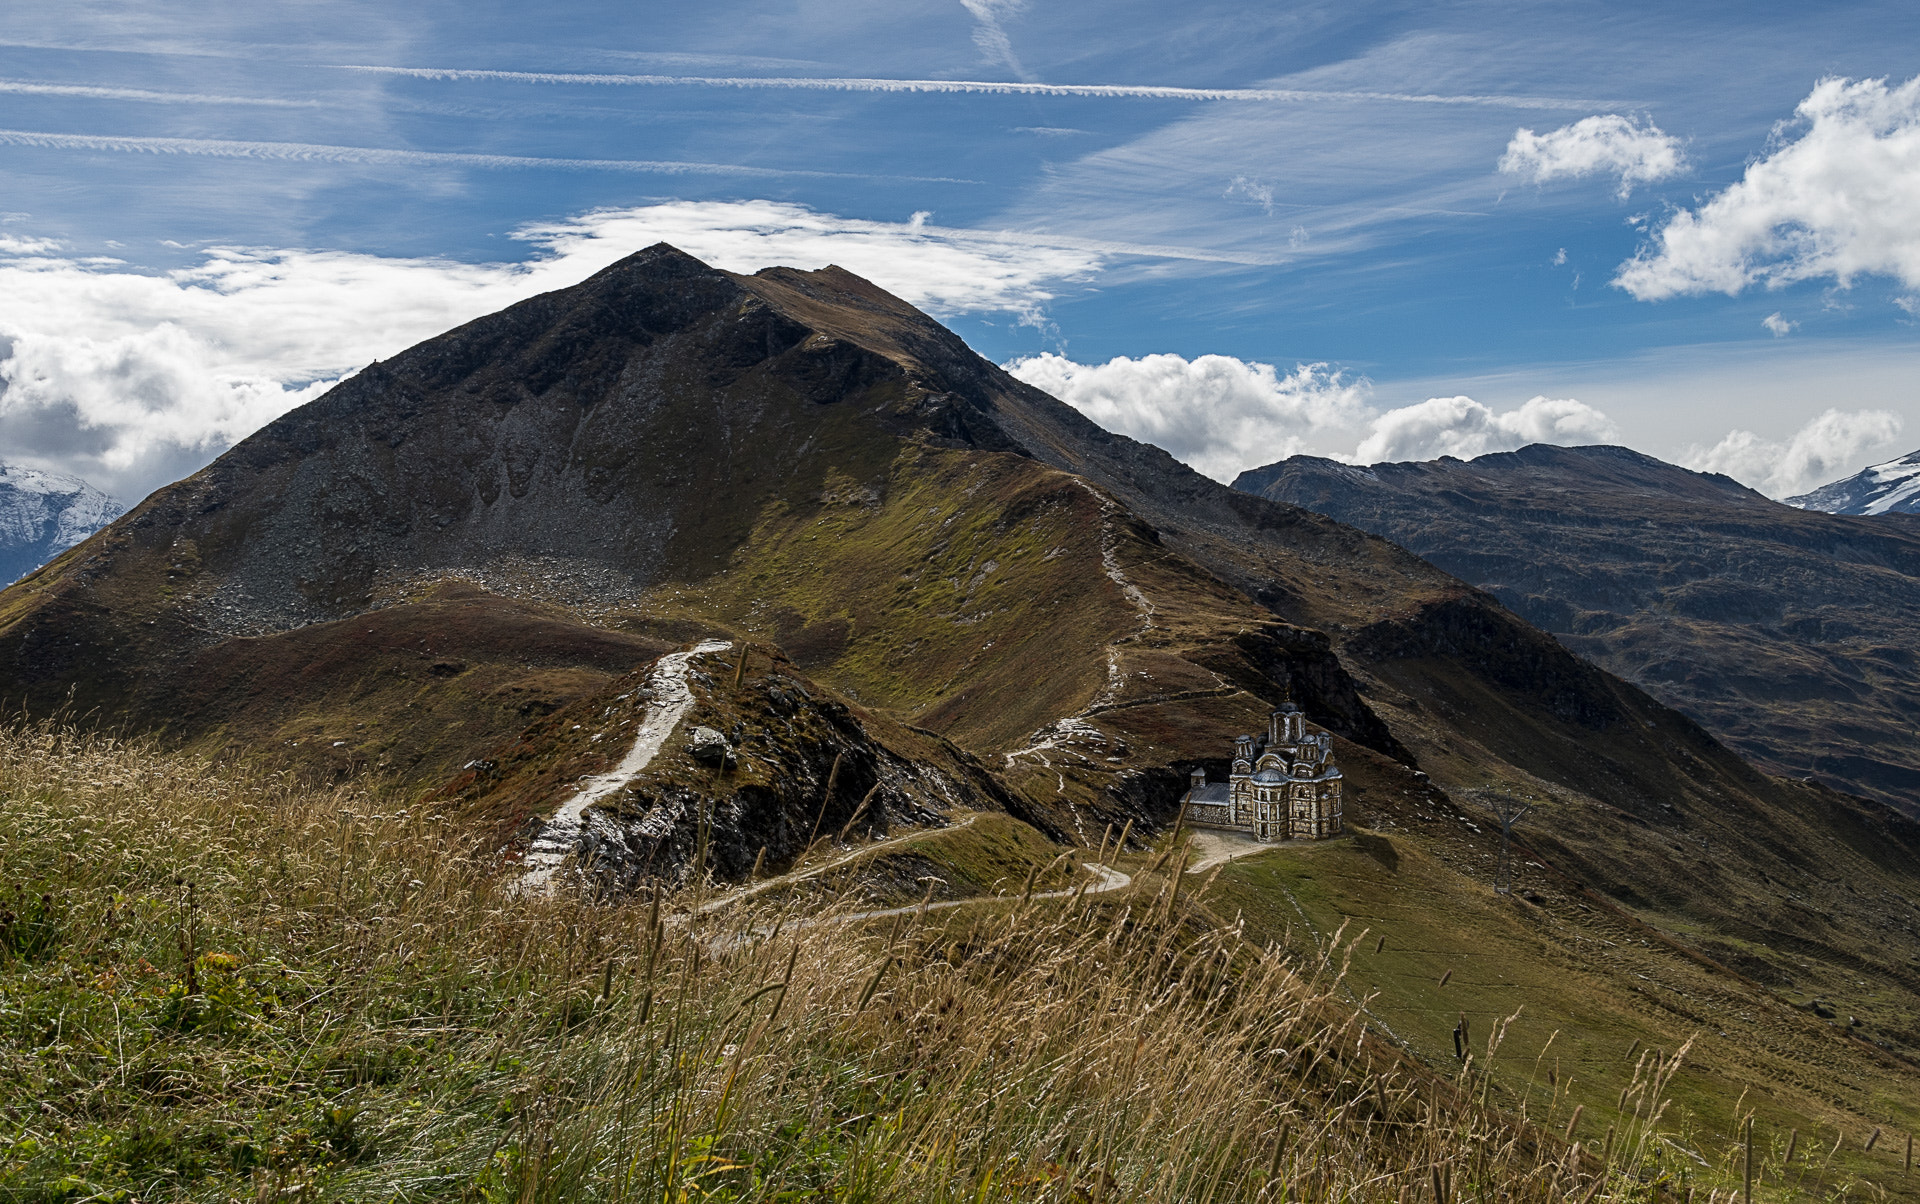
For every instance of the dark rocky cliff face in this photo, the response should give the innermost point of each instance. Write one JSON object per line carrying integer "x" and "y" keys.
{"x": 605, "y": 437}
{"x": 1788, "y": 633}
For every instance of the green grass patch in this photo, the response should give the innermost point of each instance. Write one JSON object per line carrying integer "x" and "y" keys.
{"x": 1562, "y": 1002}
{"x": 221, "y": 985}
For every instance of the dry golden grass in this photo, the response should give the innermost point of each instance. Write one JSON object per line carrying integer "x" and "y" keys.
{"x": 219, "y": 985}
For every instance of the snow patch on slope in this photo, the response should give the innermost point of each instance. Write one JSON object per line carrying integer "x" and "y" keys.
{"x": 42, "y": 514}
{"x": 1889, "y": 488}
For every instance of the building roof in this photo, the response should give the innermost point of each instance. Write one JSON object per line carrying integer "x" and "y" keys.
{"x": 1212, "y": 792}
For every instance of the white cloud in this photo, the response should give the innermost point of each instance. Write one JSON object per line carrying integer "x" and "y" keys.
{"x": 309, "y": 152}
{"x": 1258, "y": 192}
{"x": 1825, "y": 449}
{"x": 1840, "y": 200}
{"x": 21, "y": 87}
{"x": 129, "y": 378}
{"x": 991, "y": 37}
{"x": 1463, "y": 427}
{"x": 1219, "y": 414}
{"x": 1778, "y": 325}
{"x": 1606, "y": 144}
{"x": 938, "y": 268}
{"x": 1223, "y": 415}
{"x": 988, "y": 87}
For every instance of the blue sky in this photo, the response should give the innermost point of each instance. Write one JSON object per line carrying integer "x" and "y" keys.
{"x": 1241, "y": 230}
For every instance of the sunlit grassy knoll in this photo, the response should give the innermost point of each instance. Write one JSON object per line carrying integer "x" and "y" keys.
{"x": 222, "y": 986}
{"x": 1589, "y": 991}
{"x": 979, "y": 853}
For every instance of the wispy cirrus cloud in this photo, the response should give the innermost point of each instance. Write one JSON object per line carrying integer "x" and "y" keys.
{"x": 24, "y": 87}
{"x": 991, "y": 36}
{"x": 1605, "y": 144}
{"x": 307, "y": 152}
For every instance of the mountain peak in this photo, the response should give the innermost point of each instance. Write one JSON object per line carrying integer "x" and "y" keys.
{"x": 42, "y": 514}
{"x": 1889, "y": 488}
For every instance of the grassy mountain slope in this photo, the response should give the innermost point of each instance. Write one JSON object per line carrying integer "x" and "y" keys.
{"x": 1564, "y": 998}
{"x": 956, "y": 587}
{"x": 668, "y": 444}
{"x": 801, "y": 458}
{"x": 241, "y": 989}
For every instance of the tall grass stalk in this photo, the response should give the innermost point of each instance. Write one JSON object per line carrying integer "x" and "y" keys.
{"x": 367, "y": 1012}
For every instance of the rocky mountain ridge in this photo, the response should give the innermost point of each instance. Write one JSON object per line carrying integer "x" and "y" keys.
{"x": 1788, "y": 632}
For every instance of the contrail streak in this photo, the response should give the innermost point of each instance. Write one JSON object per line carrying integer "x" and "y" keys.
{"x": 985, "y": 87}
{"x": 21, "y": 87}
{"x": 305, "y": 152}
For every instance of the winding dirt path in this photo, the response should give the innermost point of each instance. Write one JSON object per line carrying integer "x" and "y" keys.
{"x": 1110, "y": 880}
{"x": 788, "y": 879}
{"x": 1066, "y": 728}
{"x": 671, "y": 702}
{"x": 1216, "y": 848}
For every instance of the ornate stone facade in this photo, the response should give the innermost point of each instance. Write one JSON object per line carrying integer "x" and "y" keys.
{"x": 1284, "y": 788}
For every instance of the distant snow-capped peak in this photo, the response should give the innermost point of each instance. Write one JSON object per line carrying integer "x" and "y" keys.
{"x": 1890, "y": 488}
{"x": 44, "y": 513}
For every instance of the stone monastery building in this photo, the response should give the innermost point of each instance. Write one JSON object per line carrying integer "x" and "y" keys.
{"x": 1286, "y": 788}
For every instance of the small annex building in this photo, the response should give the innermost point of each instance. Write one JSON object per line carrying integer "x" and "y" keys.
{"x": 1283, "y": 788}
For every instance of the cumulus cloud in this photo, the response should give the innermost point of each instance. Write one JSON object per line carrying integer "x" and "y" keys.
{"x": 130, "y": 378}
{"x": 1223, "y": 415}
{"x": 1826, "y": 448}
{"x": 1840, "y": 200}
{"x": 1216, "y": 413}
{"x": 1778, "y": 325}
{"x": 1464, "y": 428}
{"x": 1605, "y": 144}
